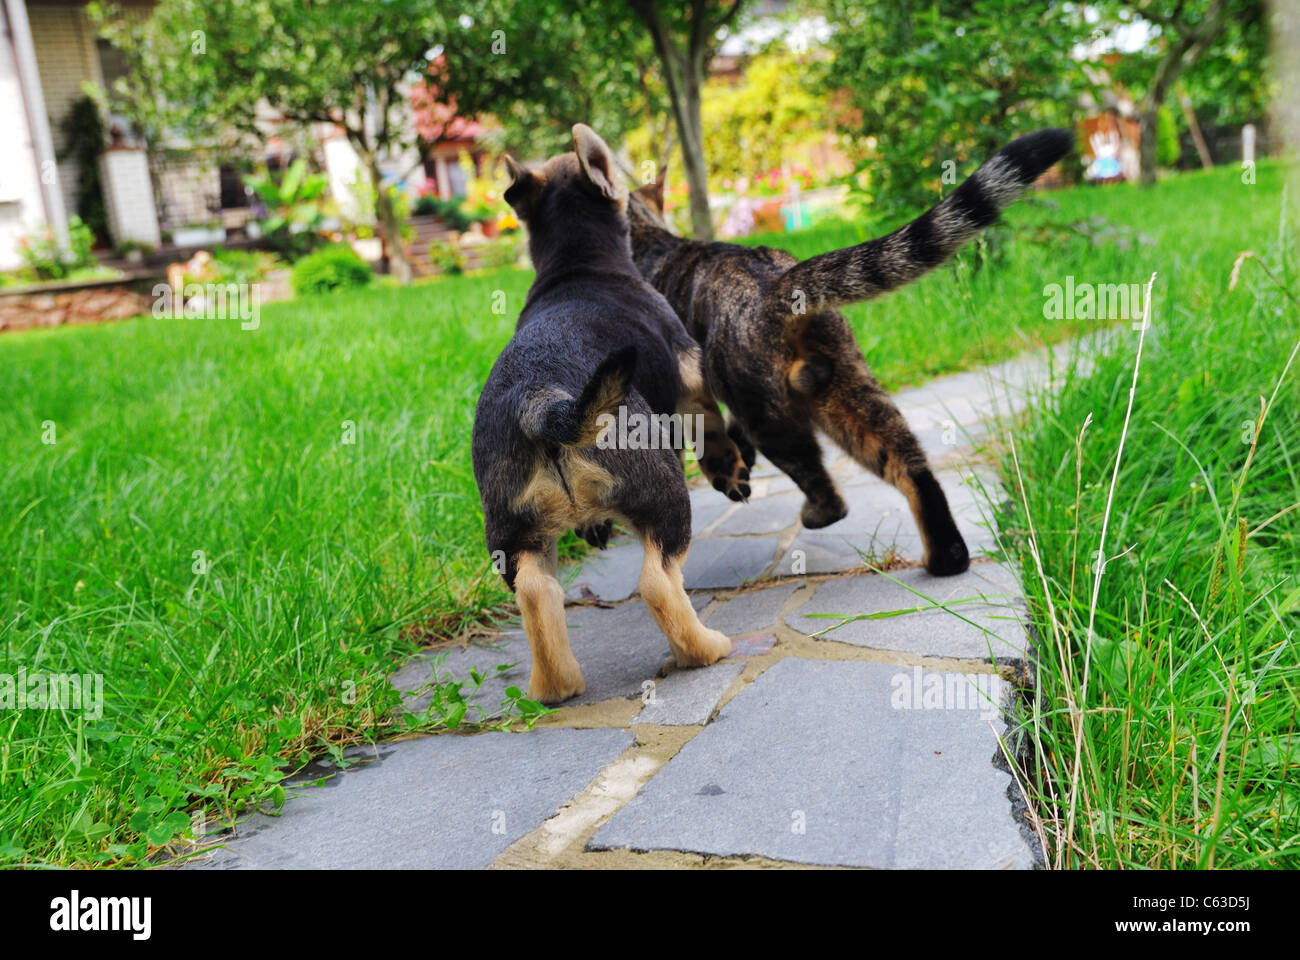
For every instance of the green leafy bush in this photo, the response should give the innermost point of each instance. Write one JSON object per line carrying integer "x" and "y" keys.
{"x": 336, "y": 267}
{"x": 446, "y": 256}
{"x": 293, "y": 205}
{"x": 242, "y": 266}
{"x": 43, "y": 258}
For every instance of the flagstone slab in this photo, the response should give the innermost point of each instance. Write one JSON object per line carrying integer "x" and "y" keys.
{"x": 443, "y": 802}
{"x": 611, "y": 574}
{"x": 813, "y": 763}
{"x": 769, "y": 514}
{"x": 753, "y": 610}
{"x": 688, "y": 696}
{"x": 727, "y": 562}
{"x": 990, "y": 624}
{"x": 620, "y": 650}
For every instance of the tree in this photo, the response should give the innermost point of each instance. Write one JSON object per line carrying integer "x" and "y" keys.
{"x": 769, "y": 118}
{"x": 1187, "y": 29}
{"x": 203, "y": 66}
{"x": 685, "y": 35}
{"x": 537, "y": 67}
{"x": 1204, "y": 52}
{"x": 930, "y": 87}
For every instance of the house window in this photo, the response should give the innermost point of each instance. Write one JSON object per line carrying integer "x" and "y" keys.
{"x": 233, "y": 192}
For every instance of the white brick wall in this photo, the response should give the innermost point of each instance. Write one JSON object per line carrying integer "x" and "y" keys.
{"x": 65, "y": 55}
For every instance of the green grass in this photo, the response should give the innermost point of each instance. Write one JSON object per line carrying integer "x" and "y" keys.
{"x": 327, "y": 562}
{"x": 1183, "y": 709}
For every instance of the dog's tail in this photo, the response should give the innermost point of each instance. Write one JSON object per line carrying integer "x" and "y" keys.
{"x": 554, "y": 417}
{"x": 889, "y": 262}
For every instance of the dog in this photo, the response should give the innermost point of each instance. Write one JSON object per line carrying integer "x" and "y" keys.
{"x": 785, "y": 362}
{"x": 593, "y": 336}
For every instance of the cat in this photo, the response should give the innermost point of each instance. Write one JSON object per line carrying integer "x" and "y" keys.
{"x": 784, "y": 361}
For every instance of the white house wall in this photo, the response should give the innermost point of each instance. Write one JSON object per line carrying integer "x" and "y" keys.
{"x": 66, "y": 57}
{"x": 21, "y": 208}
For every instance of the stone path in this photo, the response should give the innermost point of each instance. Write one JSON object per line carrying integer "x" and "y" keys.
{"x": 818, "y": 742}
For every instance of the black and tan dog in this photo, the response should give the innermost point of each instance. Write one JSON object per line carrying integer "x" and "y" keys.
{"x": 784, "y": 361}
{"x": 593, "y": 336}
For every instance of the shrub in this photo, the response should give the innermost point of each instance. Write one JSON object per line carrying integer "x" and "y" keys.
{"x": 336, "y": 267}
{"x": 242, "y": 266}
{"x": 43, "y": 258}
{"x": 293, "y": 207}
{"x": 446, "y": 256}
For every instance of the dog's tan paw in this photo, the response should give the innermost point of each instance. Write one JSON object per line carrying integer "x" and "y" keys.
{"x": 704, "y": 648}
{"x": 558, "y": 686}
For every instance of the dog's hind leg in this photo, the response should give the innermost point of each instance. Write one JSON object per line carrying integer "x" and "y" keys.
{"x": 693, "y": 644}
{"x": 556, "y": 675}
{"x": 862, "y": 419}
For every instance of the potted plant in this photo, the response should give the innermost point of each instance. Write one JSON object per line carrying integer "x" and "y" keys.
{"x": 205, "y": 234}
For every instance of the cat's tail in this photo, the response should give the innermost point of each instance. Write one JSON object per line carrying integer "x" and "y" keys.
{"x": 889, "y": 262}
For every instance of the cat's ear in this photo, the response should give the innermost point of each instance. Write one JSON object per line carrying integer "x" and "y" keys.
{"x": 524, "y": 187}
{"x": 653, "y": 192}
{"x": 597, "y": 162}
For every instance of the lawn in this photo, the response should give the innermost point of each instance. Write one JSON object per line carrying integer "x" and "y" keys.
{"x": 1188, "y": 750}
{"x": 201, "y": 532}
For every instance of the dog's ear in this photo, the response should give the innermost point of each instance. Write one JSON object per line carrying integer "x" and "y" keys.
{"x": 597, "y": 162}
{"x": 653, "y": 192}
{"x": 524, "y": 187}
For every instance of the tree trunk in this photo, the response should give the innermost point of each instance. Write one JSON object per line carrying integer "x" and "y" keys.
{"x": 1198, "y": 138}
{"x": 1182, "y": 53}
{"x": 683, "y": 77}
{"x": 697, "y": 171}
{"x": 389, "y": 226}
{"x": 1148, "y": 122}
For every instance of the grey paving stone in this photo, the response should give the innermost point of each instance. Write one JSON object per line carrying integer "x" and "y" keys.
{"x": 813, "y": 763}
{"x": 752, "y": 611}
{"x": 727, "y": 562}
{"x": 812, "y": 552}
{"x": 688, "y": 696}
{"x": 619, "y": 650}
{"x": 706, "y": 509}
{"x": 879, "y": 524}
{"x": 448, "y": 802}
{"x": 611, "y": 574}
{"x": 936, "y": 633}
{"x": 770, "y": 514}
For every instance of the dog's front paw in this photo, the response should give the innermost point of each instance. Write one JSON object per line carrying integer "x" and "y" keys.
{"x": 597, "y": 534}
